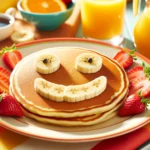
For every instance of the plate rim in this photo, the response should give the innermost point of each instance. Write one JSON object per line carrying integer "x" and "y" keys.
{"x": 12, "y": 128}
{"x": 65, "y": 140}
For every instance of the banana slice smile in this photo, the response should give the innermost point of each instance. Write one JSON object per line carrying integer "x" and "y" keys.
{"x": 88, "y": 63}
{"x": 74, "y": 93}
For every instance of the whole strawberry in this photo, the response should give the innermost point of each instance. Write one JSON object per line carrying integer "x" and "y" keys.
{"x": 9, "y": 106}
{"x": 134, "y": 104}
{"x": 10, "y": 56}
{"x": 67, "y": 2}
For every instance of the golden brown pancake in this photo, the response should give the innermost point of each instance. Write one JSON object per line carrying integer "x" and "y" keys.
{"x": 75, "y": 121}
{"x": 24, "y": 74}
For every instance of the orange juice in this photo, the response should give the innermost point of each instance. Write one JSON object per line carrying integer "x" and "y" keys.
{"x": 5, "y": 4}
{"x": 142, "y": 33}
{"x": 102, "y": 19}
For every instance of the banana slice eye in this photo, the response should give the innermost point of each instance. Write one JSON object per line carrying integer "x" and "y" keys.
{"x": 47, "y": 63}
{"x": 88, "y": 63}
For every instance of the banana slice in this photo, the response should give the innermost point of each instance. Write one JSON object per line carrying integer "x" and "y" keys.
{"x": 98, "y": 85}
{"x": 47, "y": 63}
{"x": 92, "y": 89}
{"x": 49, "y": 90}
{"x": 56, "y": 93}
{"x": 88, "y": 63}
{"x": 74, "y": 93}
{"x": 22, "y": 36}
{"x": 42, "y": 87}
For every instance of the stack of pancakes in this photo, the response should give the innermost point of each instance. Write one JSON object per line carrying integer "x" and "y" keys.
{"x": 87, "y": 112}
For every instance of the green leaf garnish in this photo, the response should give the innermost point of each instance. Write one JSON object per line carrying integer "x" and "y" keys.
{"x": 146, "y": 70}
{"x": 132, "y": 54}
{"x": 144, "y": 100}
{"x": 6, "y": 49}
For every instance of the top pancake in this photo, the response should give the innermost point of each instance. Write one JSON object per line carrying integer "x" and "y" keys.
{"x": 24, "y": 74}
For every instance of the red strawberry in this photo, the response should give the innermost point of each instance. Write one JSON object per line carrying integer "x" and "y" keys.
{"x": 140, "y": 84}
{"x": 134, "y": 104}
{"x": 135, "y": 72}
{"x": 124, "y": 58}
{"x": 139, "y": 78}
{"x": 11, "y": 56}
{"x": 67, "y": 2}
{"x": 4, "y": 80}
{"x": 9, "y": 106}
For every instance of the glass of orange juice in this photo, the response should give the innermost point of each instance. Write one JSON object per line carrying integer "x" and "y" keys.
{"x": 103, "y": 19}
{"x": 142, "y": 32}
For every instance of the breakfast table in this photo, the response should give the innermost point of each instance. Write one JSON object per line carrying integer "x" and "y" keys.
{"x": 138, "y": 139}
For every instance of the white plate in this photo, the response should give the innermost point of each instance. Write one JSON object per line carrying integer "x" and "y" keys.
{"x": 114, "y": 127}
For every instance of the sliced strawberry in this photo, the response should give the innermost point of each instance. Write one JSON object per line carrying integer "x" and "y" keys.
{"x": 9, "y": 106}
{"x": 139, "y": 80}
{"x": 4, "y": 73}
{"x": 4, "y": 88}
{"x": 11, "y": 56}
{"x": 136, "y": 72}
{"x": 134, "y": 104}
{"x": 67, "y": 2}
{"x": 4, "y": 80}
{"x": 124, "y": 59}
{"x": 140, "y": 84}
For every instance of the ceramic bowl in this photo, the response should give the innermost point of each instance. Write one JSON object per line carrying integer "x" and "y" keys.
{"x": 48, "y": 21}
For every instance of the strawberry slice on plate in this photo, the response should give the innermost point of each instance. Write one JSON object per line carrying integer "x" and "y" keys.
{"x": 11, "y": 56}
{"x": 4, "y": 80}
{"x": 135, "y": 72}
{"x": 134, "y": 104}
{"x": 125, "y": 58}
{"x": 139, "y": 78}
{"x": 9, "y": 106}
{"x": 140, "y": 84}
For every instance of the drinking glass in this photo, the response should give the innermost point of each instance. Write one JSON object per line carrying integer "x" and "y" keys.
{"x": 141, "y": 31}
{"x": 103, "y": 19}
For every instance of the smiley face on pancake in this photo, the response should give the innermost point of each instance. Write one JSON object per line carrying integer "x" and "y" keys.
{"x": 47, "y": 63}
{"x": 79, "y": 106}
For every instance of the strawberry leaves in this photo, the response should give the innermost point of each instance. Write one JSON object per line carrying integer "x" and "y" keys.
{"x": 131, "y": 53}
{"x": 144, "y": 100}
{"x": 6, "y": 49}
{"x": 146, "y": 70}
